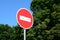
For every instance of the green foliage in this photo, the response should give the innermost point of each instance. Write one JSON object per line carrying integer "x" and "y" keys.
{"x": 46, "y": 19}
{"x": 11, "y": 33}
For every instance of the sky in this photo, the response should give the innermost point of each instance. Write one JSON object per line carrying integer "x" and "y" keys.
{"x": 9, "y": 8}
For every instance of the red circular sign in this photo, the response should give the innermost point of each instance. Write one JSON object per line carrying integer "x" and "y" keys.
{"x": 24, "y": 18}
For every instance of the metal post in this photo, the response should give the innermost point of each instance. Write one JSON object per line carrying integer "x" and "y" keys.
{"x": 24, "y": 34}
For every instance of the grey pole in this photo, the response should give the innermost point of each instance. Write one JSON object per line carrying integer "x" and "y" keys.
{"x": 24, "y": 34}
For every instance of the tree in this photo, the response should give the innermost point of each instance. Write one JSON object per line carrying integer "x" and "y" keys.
{"x": 10, "y": 33}
{"x": 6, "y": 32}
{"x": 46, "y": 20}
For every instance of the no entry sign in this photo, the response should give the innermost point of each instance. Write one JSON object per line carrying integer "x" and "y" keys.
{"x": 24, "y": 18}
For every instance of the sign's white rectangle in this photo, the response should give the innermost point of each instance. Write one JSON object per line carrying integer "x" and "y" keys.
{"x": 25, "y": 18}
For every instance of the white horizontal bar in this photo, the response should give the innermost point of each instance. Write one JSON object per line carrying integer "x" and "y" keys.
{"x": 25, "y": 18}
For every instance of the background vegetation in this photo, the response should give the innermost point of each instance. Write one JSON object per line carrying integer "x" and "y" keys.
{"x": 46, "y": 23}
